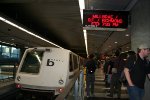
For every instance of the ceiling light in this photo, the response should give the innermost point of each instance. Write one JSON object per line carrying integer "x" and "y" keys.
{"x": 82, "y": 6}
{"x": 127, "y": 35}
{"x": 22, "y": 29}
{"x": 26, "y": 47}
{"x": 85, "y": 39}
{"x": 116, "y": 42}
{"x": 8, "y": 43}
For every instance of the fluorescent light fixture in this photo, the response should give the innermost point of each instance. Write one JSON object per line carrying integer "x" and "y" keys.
{"x": 127, "y": 35}
{"x": 15, "y": 25}
{"x": 8, "y": 43}
{"x": 26, "y": 47}
{"x": 12, "y": 39}
{"x": 82, "y": 6}
{"x": 85, "y": 38}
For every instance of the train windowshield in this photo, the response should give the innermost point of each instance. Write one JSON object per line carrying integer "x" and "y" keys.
{"x": 32, "y": 62}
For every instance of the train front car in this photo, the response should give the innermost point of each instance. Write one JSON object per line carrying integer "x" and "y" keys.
{"x": 44, "y": 71}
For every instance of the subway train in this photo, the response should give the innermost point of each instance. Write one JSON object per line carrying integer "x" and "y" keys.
{"x": 46, "y": 70}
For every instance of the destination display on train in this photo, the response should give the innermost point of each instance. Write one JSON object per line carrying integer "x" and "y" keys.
{"x": 101, "y": 19}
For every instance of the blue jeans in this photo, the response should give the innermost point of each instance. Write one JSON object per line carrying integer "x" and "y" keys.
{"x": 90, "y": 79}
{"x": 135, "y": 93}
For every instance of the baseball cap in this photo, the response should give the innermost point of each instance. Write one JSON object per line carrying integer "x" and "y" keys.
{"x": 144, "y": 46}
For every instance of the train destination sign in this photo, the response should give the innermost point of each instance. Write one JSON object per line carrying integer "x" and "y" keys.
{"x": 105, "y": 20}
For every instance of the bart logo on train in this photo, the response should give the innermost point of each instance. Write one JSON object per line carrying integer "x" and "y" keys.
{"x": 50, "y": 63}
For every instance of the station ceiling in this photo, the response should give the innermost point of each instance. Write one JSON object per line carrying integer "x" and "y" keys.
{"x": 59, "y": 21}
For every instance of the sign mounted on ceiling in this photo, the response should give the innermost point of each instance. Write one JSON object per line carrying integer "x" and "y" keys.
{"x": 105, "y": 20}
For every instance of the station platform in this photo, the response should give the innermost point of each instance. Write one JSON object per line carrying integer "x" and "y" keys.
{"x": 101, "y": 92}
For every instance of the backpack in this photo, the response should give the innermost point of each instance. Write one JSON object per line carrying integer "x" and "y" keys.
{"x": 123, "y": 77}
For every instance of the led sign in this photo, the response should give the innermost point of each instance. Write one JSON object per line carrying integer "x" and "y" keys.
{"x": 105, "y": 20}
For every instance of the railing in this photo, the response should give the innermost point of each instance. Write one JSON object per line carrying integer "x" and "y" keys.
{"x": 75, "y": 89}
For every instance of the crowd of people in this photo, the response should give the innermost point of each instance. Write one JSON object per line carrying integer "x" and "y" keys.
{"x": 124, "y": 68}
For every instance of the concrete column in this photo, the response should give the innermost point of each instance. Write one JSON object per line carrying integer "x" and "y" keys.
{"x": 140, "y": 24}
{"x": 140, "y": 31}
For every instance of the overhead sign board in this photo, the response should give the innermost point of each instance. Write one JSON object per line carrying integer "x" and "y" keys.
{"x": 105, "y": 20}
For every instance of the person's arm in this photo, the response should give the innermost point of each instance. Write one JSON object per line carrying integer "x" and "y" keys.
{"x": 148, "y": 69}
{"x": 127, "y": 75}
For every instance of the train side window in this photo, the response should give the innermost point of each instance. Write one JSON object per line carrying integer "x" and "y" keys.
{"x": 80, "y": 62}
{"x": 32, "y": 62}
{"x": 70, "y": 63}
{"x": 75, "y": 60}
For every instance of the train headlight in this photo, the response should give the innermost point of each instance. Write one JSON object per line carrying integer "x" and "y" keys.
{"x": 18, "y": 86}
{"x": 18, "y": 78}
{"x": 61, "y": 90}
{"x": 61, "y": 82}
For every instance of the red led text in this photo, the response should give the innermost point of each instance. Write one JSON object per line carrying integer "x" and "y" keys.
{"x": 97, "y": 20}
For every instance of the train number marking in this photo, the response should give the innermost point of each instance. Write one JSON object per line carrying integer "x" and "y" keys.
{"x": 50, "y": 63}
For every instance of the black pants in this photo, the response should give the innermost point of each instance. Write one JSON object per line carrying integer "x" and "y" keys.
{"x": 115, "y": 85}
{"x": 90, "y": 79}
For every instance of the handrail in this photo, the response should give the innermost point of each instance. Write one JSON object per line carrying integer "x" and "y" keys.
{"x": 68, "y": 88}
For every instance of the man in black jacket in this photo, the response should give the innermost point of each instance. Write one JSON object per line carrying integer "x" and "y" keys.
{"x": 90, "y": 75}
{"x": 135, "y": 71}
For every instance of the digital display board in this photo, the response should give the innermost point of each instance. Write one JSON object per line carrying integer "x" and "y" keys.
{"x": 105, "y": 20}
